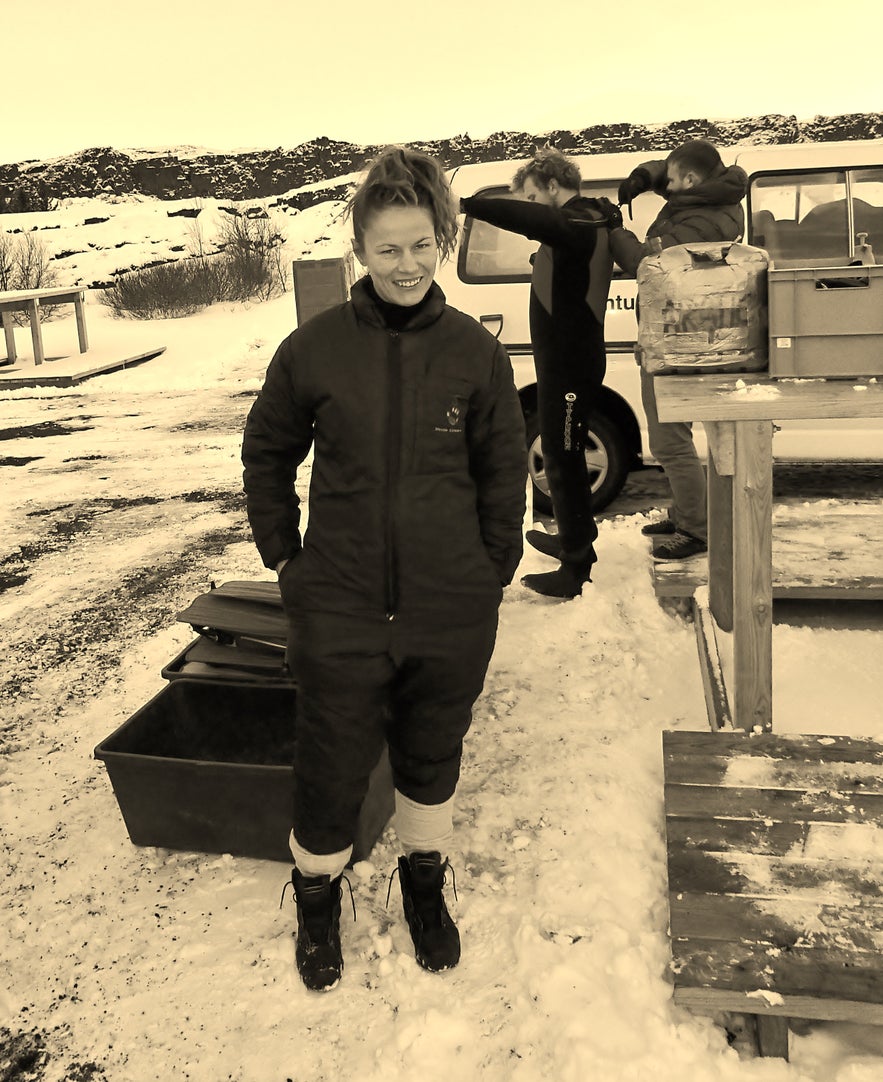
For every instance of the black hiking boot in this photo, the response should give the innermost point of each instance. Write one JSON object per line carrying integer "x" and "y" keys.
{"x": 546, "y": 543}
{"x": 436, "y": 939}
{"x": 658, "y": 528}
{"x": 679, "y": 547}
{"x": 318, "y": 954}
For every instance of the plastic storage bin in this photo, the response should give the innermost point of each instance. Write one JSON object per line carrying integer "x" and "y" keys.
{"x": 826, "y": 321}
{"x": 205, "y": 766}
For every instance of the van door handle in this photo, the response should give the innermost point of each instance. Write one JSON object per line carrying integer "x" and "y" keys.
{"x": 497, "y": 317}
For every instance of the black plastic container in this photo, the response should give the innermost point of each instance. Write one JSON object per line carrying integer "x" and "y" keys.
{"x": 206, "y": 766}
{"x": 239, "y": 662}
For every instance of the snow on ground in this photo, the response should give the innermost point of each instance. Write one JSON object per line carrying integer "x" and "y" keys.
{"x": 124, "y": 963}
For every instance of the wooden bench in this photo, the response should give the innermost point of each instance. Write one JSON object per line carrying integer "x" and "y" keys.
{"x": 775, "y": 868}
{"x": 28, "y": 300}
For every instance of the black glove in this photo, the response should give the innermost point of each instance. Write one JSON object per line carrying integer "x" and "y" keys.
{"x": 612, "y": 213}
{"x": 639, "y": 180}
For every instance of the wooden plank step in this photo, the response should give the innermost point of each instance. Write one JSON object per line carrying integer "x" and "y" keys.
{"x": 745, "y": 967}
{"x": 760, "y": 875}
{"x": 713, "y": 1000}
{"x": 848, "y": 565}
{"x": 775, "y": 870}
{"x": 771, "y": 837}
{"x": 781, "y": 804}
{"x": 782, "y": 922}
{"x": 694, "y": 744}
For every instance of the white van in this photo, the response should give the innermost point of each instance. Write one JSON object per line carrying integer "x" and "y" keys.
{"x": 490, "y": 279}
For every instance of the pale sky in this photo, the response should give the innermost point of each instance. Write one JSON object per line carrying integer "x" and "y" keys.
{"x": 225, "y": 75}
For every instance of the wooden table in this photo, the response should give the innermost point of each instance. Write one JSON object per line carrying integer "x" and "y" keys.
{"x": 738, "y": 413}
{"x": 773, "y": 912}
{"x": 28, "y": 300}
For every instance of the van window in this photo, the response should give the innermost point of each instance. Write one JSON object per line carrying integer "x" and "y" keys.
{"x": 867, "y": 204}
{"x": 489, "y": 254}
{"x": 816, "y": 216}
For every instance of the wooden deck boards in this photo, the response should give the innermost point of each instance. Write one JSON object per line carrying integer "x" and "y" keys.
{"x": 68, "y": 371}
{"x": 775, "y": 862}
{"x": 821, "y": 548}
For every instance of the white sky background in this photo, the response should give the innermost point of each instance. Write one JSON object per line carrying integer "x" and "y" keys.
{"x": 224, "y": 75}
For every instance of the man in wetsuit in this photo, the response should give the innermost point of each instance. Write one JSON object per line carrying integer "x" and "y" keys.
{"x": 568, "y": 301}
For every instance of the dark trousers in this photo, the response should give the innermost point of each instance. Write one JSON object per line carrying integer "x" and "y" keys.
{"x": 567, "y": 395}
{"x": 361, "y": 682}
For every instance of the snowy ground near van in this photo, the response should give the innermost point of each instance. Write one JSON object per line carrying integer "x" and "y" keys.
{"x": 120, "y": 501}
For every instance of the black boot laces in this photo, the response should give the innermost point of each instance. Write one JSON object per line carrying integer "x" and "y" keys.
{"x": 445, "y": 868}
{"x": 290, "y": 883}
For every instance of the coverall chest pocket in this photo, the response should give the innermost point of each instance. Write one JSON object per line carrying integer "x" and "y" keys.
{"x": 440, "y": 437}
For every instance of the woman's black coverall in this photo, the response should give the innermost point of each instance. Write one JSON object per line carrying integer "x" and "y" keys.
{"x": 416, "y": 506}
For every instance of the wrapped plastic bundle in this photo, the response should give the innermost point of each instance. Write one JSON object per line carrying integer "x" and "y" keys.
{"x": 703, "y": 308}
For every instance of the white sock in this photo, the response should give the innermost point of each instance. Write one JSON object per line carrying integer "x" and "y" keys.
{"x": 313, "y": 864}
{"x": 422, "y": 828}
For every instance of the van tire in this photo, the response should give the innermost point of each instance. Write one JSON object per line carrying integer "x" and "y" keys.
{"x": 607, "y": 457}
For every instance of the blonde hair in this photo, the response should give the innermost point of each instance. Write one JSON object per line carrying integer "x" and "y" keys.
{"x": 548, "y": 164}
{"x": 399, "y": 176}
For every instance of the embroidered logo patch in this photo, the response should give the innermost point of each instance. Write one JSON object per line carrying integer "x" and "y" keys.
{"x": 454, "y": 416}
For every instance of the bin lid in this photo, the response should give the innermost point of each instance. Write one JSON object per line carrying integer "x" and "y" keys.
{"x": 240, "y": 610}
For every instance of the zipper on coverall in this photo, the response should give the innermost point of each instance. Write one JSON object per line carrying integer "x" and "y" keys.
{"x": 393, "y": 465}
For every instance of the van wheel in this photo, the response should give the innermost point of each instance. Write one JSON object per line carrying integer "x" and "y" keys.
{"x": 606, "y": 457}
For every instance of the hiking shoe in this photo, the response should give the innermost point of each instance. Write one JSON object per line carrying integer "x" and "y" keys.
{"x": 565, "y": 583}
{"x": 679, "y": 547}
{"x": 546, "y": 543}
{"x": 435, "y": 936}
{"x": 660, "y": 526}
{"x": 318, "y": 954}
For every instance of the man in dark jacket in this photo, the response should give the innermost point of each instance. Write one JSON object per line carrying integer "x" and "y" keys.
{"x": 568, "y": 302}
{"x": 703, "y": 203}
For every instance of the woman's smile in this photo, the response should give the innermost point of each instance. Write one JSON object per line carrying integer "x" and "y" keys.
{"x": 400, "y": 253}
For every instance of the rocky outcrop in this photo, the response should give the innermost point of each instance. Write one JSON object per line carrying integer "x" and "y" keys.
{"x": 265, "y": 174}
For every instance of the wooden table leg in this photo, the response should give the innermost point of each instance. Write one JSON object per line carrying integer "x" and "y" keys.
{"x": 36, "y": 331}
{"x": 9, "y": 334}
{"x": 772, "y": 1035}
{"x": 752, "y": 576}
{"x": 80, "y": 309}
{"x": 721, "y": 465}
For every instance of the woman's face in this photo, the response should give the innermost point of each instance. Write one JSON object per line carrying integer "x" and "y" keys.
{"x": 400, "y": 253}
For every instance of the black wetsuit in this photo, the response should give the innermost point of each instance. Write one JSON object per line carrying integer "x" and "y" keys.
{"x": 568, "y": 301}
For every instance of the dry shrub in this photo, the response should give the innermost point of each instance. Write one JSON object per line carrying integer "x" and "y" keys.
{"x": 248, "y": 264}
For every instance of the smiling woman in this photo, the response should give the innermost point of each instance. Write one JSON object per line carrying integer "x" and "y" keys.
{"x": 403, "y": 218}
{"x": 416, "y": 503}
{"x": 400, "y": 253}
